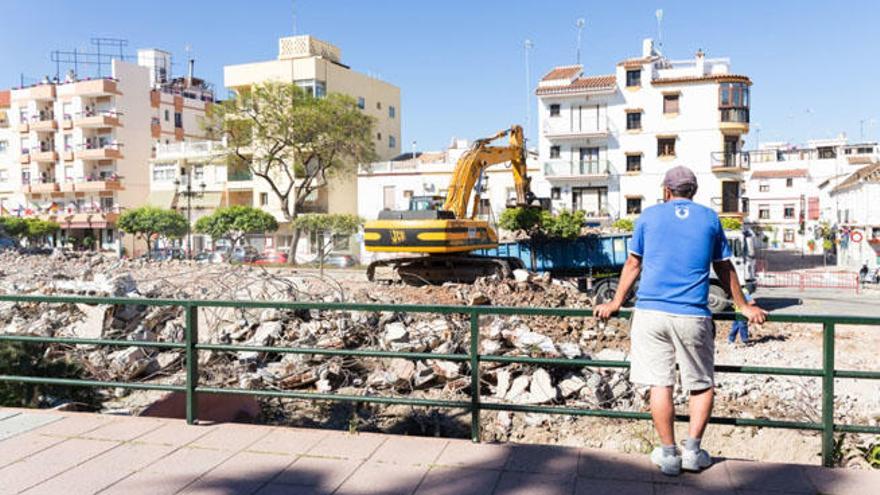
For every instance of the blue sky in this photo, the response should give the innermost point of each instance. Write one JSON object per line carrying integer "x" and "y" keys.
{"x": 460, "y": 63}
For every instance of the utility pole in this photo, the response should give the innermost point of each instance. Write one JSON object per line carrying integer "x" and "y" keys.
{"x": 659, "y": 15}
{"x": 580, "y": 27}
{"x": 188, "y": 193}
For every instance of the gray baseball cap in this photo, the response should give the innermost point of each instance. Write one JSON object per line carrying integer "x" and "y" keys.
{"x": 679, "y": 176}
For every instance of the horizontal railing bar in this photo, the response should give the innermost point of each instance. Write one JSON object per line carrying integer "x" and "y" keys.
{"x": 579, "y": 363}
{"x": 867, "y": 375}
{"x": 871, "y": 430}
{"x": 407, "y": 308}
{"x": 766, "y": 370}
{"x": 74, "y": 382}
{"x": 286, "y": 394}
{"x": 78, "y": 341}
{"x": 332, "y": 352}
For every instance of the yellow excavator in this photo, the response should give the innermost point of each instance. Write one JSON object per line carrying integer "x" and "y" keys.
{"x": 443, "y": 237}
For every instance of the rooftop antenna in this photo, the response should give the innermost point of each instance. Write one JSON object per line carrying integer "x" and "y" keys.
{"x": 580, "y": 27}
{"x": 528, "y": 45}
{"x": 659, "y": 15}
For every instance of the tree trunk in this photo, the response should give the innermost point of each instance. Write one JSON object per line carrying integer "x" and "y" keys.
{"x": 294, "y": 242}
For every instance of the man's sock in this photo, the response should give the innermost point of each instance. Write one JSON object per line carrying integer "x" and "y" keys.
{"x": 668, "y": 450}
{"x": 692, "y": 444}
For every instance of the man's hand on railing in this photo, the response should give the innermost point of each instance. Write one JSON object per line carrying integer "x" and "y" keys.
{"x": 754, "y": 313}
{"x": 604, "y": 311}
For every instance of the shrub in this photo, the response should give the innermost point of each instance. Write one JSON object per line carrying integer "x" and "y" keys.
{"x": 519, "y": 218}
{"x": 625, "y": 224}
{"x": 731, "y": 223}
{"x": 31, "y": 360}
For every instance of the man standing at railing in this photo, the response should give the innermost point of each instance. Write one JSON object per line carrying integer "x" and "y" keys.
{"x": 672, "y": 247}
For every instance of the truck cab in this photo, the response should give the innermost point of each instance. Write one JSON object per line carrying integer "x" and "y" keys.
{"x": 742, "y": 250}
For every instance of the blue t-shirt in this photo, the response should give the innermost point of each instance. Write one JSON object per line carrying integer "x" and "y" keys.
{"x": 677, "y": 242}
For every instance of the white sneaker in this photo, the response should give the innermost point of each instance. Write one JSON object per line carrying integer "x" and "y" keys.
{"x": 695, "y": 460}
{"x": 670, "y": 465}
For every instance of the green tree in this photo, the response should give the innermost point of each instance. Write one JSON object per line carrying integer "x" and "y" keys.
{"x": 147, "y": 222}
{"x": 625, "y": 224}
{"x": 30, "y": 360}
{"x": 14, "y": 226}
{"x": 37, "y": 230}
{"x": 520, "y": 218}
{"x": 235, "y": 222}
{"x": 293, "y": 141}
{"x": 565, "y": 225}
{"x": 731, "y": 223}
{"x": 335, "y": 224}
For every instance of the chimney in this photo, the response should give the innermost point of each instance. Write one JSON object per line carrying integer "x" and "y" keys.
{"x": 701, "y": 62}
{"x": 647, "y": 48}
{"x": 189, "y": 75}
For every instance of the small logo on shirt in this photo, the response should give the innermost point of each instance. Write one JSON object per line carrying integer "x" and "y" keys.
{"x": 682, "y": 211}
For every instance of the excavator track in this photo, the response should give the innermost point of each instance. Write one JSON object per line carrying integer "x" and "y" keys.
{"x": 439, "y": 269}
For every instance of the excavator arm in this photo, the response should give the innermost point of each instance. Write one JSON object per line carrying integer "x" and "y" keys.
{"x": 476, "y": 160}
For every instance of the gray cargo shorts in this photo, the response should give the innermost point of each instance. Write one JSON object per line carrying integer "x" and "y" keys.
{"x": 660, "y": 340}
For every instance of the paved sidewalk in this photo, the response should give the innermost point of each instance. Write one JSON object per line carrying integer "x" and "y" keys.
{"x": 44, "y": 452}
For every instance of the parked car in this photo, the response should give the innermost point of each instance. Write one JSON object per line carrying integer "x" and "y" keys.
{"x": 211, "y": 257}
{"x": 335, "y": 260}
{"x": 245, "y": 254}
{"x": 271, "y": 258}
{"x": 165, "y": 254}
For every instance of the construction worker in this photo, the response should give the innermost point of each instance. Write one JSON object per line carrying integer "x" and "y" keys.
{"x": 673, "y": 246}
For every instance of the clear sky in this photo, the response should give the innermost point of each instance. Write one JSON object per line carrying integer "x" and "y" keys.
{"x": 460, "y": 63}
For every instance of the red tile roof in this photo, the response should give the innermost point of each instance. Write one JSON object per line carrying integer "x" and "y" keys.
{"x": 608, "y": 81}
{"x": 779, "y": 174}
{"x": 870, "y": 173}
{"x": 563, "y": 72}
{"x": 710, "y": 77}
{"x": 4, "y": 98}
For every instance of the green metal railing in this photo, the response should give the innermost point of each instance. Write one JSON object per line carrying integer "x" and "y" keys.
{"x": 191, "y": 346}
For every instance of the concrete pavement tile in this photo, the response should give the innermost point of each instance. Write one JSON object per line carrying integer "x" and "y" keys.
{"x": 594, "y": 486}
{"x": 474, "y": 455}
{"x": 843, "y": 481}
{"x": 667, "y": 489}
{"x": 458, "y": 481}
{"x": 20, "y": 446}
{"x": 546, "y": 459}
{"x": 321, "y": 474}
{"x": 6, "y": 414}
{"x": 232, "y": 437}
{"x": 22, "y": 422}
{"x": 373, "y": 478}
{"x": 103, "y": 470}
{"x": 411, "y": 451}
{"x": 124, "y": 430}
{"x": 245, "y": 472}
{"x": 768, "y": 476}
{"x": 170, "y": 474}
{"x": 175, "y": 433}
{"x": 75, "y": 424}
{"x": 605, "y": 464}
{"x": 714, "y": 478}
{"x": 290, "y": 441}
{"x": 513, "y": 483}
{"x": 50, "y": 462}
{"x": 347, "y": 446}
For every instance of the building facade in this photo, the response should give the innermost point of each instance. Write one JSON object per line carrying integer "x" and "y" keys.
{"x": 789, "y": 190}
{"x": 317, "y": 67}
{"x": 859, "y": 229}
{"x": 80, "y": 146}
{"x": 607, "y": 140}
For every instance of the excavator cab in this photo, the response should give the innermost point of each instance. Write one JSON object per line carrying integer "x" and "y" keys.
{"x": 419, "y": 203}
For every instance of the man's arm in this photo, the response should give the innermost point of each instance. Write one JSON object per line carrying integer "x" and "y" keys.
{"x": 631, "y": 270}
{"x": 730, "y": 283}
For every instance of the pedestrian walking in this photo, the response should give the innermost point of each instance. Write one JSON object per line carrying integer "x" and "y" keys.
{"x": 740, "y": 327}
{"x": 674, "y": 244}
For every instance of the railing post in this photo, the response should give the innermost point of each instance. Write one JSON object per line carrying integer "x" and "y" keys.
{"x": 827, "y": 394}
{"x": 475, "y": 377}
{"x": 192, "y": 362}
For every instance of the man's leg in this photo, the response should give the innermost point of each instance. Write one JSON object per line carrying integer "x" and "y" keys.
{"x": 744, "y": 333}
{"x": 700, "y": 410}
{"x": 734, "y": 329}
{"x": 663, "y": 414}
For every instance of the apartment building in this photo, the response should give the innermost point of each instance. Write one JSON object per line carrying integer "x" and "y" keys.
{"x": 607, "y": 140}
{"x": 81, "y": 145}
{"x": 6, "y": 156}
{"x": 789, "y": 190}
{"x": 317, "y": 67}
{"x": 859, "y": 228}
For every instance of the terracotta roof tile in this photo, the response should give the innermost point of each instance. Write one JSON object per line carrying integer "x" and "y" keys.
{"x": 779, "y": 174}
{"x": 607, "y": 81}
{"x": 4, "y": 98}
{"x": 637, "y": 62}
{"x": 563, "y": 72}
{"x": 710, "y": 77}
{"x": 870, "y": 173}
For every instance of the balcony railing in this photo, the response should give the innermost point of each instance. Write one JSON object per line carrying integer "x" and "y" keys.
{"x": 564, "y": 128}
{"x": 576, "y": 168}
{"x": 99, "y": 151}
{"x": 240, "y": 176}
{"x": 735, "y": 115}
{"x": 730, "y": 160}
{"x": 189, "y": 149}
{"x": 97, "y": 118}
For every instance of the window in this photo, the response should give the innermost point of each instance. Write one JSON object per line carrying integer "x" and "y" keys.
{"x": 264, "y": 199}
{"x": 68, "y": 142}
{"x": 670, "y": 103}
{"x": 388, "y": 198}
{"x": 198, "y": 173}
{"x": 378, "y": 136}
{"x": 68, "y": 173}
{"x": 633, "y": 121}
{"x": 392, "y": 112}
{"x": 378, "y": 105}
{"x": 733, "y": 100}
{"x": 555, "y": 151}
{"x": 827, "y": 152}
{"x": 555, "y": 109}
{"x": 4, "y": 175}
{"x": 392, "y": 141}
{"x": 665, "y": 146}
{"x": 107, "y": 204}
{"x": 555, "y": 193}
{"x": 633, "y": 78}
{"x": 178, "y": 120}
{"x": 788, "y": 235}
{"x": 4, "y": 146}
{"x": 167, "y": 115}
{"x": 341, "y": 242}
{"x": 362, "y": 103}
{"x": 789, "y": 182}
{"x": 788, "y": 212}
{"x": 407, "y": 194}
{"x": 633, "y": 206}
{"x": 66, "y": 110}
{"x": 764, "y": 212}
{"x": 633, "y": 163}
{"x": 764, "y": 187}
{"x": 164, "y": 172}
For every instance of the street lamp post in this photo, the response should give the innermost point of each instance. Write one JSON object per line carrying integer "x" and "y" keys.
{"x": 188, "y": 193}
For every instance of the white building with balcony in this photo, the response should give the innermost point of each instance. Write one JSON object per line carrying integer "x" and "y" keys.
{"x": 859, "y": 228}
{"x": 789, "y": 190}
{"x": 607, "y": 140}
{"x": 82, "y": 144}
